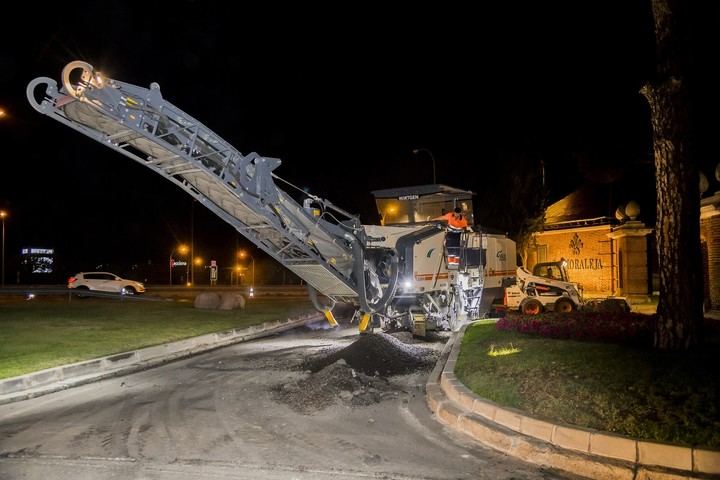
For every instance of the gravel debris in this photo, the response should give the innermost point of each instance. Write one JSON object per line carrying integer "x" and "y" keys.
{"x": 431, "y": 337}
{"x": 336, "y": 383}
{"x": 355, "y": 375}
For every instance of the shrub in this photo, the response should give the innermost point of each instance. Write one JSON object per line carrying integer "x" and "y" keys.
{"x": 619, "y": 327}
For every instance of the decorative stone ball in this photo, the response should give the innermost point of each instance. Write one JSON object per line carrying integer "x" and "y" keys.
{"x": 704, "y": 184}
{"x": 620, "y": 213}
{"x": 632, "y": 209}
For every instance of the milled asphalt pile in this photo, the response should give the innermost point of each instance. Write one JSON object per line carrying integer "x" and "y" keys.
{"x": 355, "y": 375}
{"x": 378, "y": 354}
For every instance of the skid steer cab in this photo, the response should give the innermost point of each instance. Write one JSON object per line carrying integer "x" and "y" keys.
{"x": 545, "y": 290}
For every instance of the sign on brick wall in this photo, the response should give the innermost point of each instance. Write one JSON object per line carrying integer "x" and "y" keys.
{"x": 586, "y": 263}
{"x": 587, "y": 252}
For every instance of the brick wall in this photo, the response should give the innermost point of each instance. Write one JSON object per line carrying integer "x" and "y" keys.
{"x": 710, "y": 233}
{"x": 588, "y": 253}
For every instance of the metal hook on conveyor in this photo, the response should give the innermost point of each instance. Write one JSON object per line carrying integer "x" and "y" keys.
{"x": 50, "y": 89}
{"x": 87, "y": 77}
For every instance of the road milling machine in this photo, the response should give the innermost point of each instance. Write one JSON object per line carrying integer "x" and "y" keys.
{"x": 396, "y": 273}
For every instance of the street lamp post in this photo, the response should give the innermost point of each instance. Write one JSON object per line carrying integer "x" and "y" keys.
{"x": 191, "y": 278}
{"x": 196, "y": 261}
{"x": 244, "y": 254}
{"x": 235, "y": 275}
{"x": 182, "y": 249}
{"x": 3, "y": 214}
{"x": 432, "y": 157}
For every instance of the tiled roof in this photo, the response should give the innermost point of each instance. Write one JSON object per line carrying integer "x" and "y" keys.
{"x": 588, "y": 203}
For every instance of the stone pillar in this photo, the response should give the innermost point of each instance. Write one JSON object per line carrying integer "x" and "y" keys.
{"x": 710, "y": 232}
{"x": 631, "y": 260}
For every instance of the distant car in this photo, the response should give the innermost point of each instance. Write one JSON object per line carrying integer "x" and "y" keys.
{"x": 105, "y": 282}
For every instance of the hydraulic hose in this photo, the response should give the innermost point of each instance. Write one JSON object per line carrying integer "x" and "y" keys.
{"x": 312, "y": 293}
{"x": 359, "y": 268}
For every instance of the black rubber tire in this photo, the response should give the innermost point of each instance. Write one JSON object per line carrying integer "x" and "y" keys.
{"x": 129, "y": 290}
{"x": 80, "y": 290}
{"x": 531, "y": 307}
{"x": 564, "y": 305}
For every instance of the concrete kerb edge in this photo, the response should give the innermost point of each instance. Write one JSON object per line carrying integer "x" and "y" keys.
{"x": 586, "y": 452}
{"x": 51, "y": 380}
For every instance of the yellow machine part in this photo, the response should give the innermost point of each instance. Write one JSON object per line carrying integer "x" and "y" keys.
{"x": 364, "y": 322}
{"x": 330, "y": 318}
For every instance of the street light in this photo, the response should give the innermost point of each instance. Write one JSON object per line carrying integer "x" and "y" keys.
{"x": 432, "y": 157}
{"x": 196, "y": 261}
{"x": 3, "y": 214}
{"x": 244, "y": 254}
{"x": 237, "y": 272}
{"x": 182, "y": 249}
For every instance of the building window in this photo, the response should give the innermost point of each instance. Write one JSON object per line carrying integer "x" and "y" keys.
{"x": 541, "y": 253}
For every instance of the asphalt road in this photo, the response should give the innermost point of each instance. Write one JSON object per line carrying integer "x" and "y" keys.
{"x": 213, "y": 416}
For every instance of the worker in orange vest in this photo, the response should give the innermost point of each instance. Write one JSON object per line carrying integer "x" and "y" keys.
{"x": 457, "y": 223}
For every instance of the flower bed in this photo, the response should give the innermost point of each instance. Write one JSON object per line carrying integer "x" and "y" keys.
{"x": 587, "y": 326}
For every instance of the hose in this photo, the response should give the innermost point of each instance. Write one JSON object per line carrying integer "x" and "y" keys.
{"x": 359, "y": 269}
{"x": 312, "y": 293}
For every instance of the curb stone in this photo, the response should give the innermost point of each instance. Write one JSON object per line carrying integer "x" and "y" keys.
{"x": 54, "y": 379}
{"x": 589, "y": 453}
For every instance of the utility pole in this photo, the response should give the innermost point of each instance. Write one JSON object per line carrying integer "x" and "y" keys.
{"x": 191, "y": 275}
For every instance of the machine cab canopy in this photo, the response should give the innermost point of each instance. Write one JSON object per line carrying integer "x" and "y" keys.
{"x": 552, "y": 270}
{"x": 421, "y": 203}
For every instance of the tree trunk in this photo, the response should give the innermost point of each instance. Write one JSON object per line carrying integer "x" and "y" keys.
{"x": 678, "y": 198}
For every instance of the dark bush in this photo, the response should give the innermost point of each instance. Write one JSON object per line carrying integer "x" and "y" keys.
{"x": 616, "y": 327}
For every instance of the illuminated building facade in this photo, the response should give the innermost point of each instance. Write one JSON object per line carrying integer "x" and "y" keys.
{"x": 606, "y": 255}
{"x": 710, "y": 243}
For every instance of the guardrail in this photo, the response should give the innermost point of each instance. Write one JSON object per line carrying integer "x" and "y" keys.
{"x": 154, "y": 293}
{"x": 31, "y": 293}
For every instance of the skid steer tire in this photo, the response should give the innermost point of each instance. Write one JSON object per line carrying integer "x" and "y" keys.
{"x": 531, "y": 307}
{"x": 564, "y": 305}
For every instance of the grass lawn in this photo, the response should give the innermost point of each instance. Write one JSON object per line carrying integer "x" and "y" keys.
{"x": 45, "y": 333}
{"x": 622, "y": 389}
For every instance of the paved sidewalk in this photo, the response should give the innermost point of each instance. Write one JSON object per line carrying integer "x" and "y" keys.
{"x": 66, "y": 376}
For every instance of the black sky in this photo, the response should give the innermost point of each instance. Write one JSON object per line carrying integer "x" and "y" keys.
{"x": 342, "y": 96}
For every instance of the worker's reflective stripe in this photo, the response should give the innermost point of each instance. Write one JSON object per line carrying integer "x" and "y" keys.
{"x": 364, "y": 322}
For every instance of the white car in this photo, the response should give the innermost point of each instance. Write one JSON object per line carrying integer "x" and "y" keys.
{"x": 105, "y": 282}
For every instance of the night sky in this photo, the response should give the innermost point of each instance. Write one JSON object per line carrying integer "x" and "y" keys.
{"x": 342, "y": 96}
